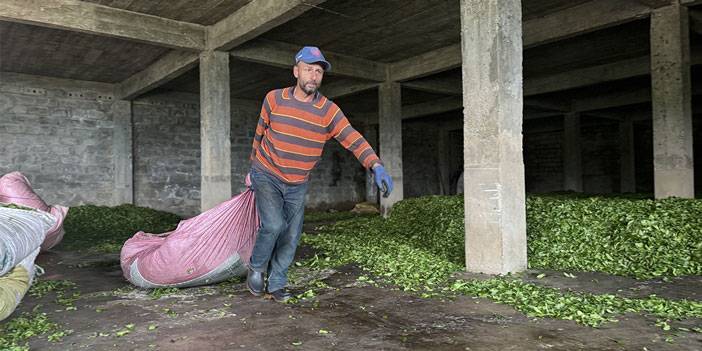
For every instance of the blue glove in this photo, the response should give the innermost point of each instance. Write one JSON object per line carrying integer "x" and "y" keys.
{"x": 382, "y": 180}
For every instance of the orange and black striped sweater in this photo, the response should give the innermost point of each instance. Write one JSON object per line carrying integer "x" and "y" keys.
{"x": 291, "y": 134}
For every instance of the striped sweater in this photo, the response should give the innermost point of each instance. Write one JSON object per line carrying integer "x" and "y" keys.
{"x": 291, "y": 134}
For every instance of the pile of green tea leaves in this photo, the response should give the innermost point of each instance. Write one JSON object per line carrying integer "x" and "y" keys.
{"x": 641, "y": 238}
{"x": 421, "y": 244}
{"x": 630, "y": 236}
{"x": 105, "y": 229}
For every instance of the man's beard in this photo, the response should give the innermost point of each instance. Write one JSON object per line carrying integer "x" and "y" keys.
{"x": 308, "y": 91}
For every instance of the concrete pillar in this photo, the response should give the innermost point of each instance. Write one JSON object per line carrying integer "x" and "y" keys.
{"x": 572, "y": 153}
{"x": 443, "y": 161}
{"x": 122, "y": 150}
{"x": 673, "y": 171}
{"x": 495, "y": 215}
{"x": 215, "y": 122}
{"x": 390, "y": 139}
{"x": 371, "y": 134}
{"x": 627, "y": 153}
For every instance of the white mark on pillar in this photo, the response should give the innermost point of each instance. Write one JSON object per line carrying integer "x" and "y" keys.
{"x": 494, "y": 198}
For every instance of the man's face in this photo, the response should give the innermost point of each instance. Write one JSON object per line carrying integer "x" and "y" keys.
{"x": 309, "y": 76}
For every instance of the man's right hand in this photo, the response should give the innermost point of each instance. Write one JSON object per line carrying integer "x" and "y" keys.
{"x": 382, "y": 180}
{"x": 248, "y": 181}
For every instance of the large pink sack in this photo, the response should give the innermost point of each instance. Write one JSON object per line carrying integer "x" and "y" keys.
{"x": 209, "y": 248}
{"x": 15, "y": 188}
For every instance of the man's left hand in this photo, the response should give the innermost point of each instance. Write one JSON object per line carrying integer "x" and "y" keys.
{"x": 382, "y": 180}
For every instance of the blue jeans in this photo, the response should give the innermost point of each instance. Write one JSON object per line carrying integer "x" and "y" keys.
{"x": 281, "y": 210}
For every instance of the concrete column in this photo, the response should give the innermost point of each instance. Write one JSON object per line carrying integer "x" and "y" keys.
{"x": 673, "y": 171}
{"x": 215, "y": 122}
{"x": 495, "y": 215}
{"x": 371, "y": 135}
{"x": 443, "y": 161}
{"x": 122, "y": 150}
{"x": 627, "y": 153}
{"x": 390, "y": 139}
{"x": 572, "y": 153}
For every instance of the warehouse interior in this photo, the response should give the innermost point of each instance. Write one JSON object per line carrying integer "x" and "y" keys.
{"x": 155, "y": 104}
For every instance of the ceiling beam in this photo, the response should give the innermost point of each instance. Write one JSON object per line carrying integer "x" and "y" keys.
{"x": 537, "y": 115}
{"x": 690, "y": 2}
{"x": 254, "y": 19}
{"x": 282, "y": 55}
{"x": 577, "y": 78}
{"x": 548, "y": 104}
{"x": 432, "y": 107}
{"x": 428, "y": 63}
{"x": 246, "y": 23}
{"x": 342, "y": 88}
{"x": 553, "y": 82}
{"x": 612, "y": 100}
{"x": 422, "y": 109}
{"x": 587, "y": 76}
{"x": 576, "y": 20}
{"x": 447, "y": 86}
{"x": 619, "y": 99}
{"x": 584, "y": 105}
{"x": 437, "y": 107}
{"x": 168, "y": 67}
{"x": 586, "y": 17}
{"x": 85, "y": 17}
{"x": 607, "y": 115}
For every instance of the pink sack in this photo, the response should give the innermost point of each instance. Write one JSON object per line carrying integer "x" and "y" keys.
{"x": 209, "y": 248}
{"x": 15, "y": 188}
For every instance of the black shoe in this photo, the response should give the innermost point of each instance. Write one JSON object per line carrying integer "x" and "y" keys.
{"x": 280, "y": 295}
{"x": 254, "y": 282}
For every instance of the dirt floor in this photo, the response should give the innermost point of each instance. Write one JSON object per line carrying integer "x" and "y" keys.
{"x": 348, "y": 315}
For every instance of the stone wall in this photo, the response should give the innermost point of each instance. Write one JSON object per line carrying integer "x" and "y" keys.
{"x": 338, "y": 181}
{"x": 166, "y": 132}
{"x": 59, "y": 134}
{"x": 167, "y": 150}
{"x": 167, "y": 157}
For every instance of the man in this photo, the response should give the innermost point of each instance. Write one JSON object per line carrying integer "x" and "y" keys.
{"x": 294, "y": 124}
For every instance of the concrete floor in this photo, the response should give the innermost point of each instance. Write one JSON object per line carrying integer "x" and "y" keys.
{"x": 348, "y": 315}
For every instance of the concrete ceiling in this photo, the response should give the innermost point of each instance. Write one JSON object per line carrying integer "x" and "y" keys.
{"x": 381, "y": 31}
{"x": 205, "y": 12}
{"x": 57, "y": 53}
{"x": 625, "y": 41}
{"x": 378, "y": 30}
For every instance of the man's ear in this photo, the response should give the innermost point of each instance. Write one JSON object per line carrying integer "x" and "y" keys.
{"x": 296, "y": 73}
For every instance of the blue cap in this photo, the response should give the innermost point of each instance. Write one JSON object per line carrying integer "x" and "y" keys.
{"x": 312, "y": 54}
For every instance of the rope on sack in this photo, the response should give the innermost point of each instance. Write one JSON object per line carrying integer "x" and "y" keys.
{"x": 38, "y": 270}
